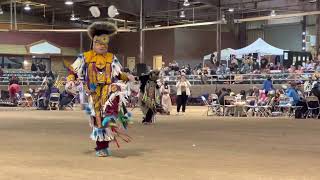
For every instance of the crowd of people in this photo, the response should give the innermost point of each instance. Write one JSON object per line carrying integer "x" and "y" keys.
{"x": 248, "y": 65}
{"x": 274, "y": 99}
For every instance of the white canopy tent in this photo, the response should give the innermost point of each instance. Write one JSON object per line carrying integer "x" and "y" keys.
{"x": 225, "y": 54}
{"x": 261, "y": 47}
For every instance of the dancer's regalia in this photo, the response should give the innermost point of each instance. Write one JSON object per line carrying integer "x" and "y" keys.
{"x": 149, "y": 97}
{"x": 101, "y": 72}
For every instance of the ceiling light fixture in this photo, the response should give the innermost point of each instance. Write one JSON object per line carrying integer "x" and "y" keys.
{"x": 273, "y": 13}
{"x": 113, "y": 11}
{"x": 73, "y": 17}
{"x": 231, "y": 9}
{"x": 68, "y": 2}
{"x": 27, "y": 7}
{"x": 186, "y": 3}
{"x": 182, "y": 14}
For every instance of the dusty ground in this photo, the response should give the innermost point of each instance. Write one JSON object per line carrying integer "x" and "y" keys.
{"x": 55, "y": 145}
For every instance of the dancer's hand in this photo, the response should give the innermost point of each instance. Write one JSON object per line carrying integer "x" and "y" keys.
{"x": 131, "y": 77}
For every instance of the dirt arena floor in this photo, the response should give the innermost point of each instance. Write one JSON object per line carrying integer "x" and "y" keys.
{"x": 55, "y": 145}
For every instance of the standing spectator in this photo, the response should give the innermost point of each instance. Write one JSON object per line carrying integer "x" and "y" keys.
{"x": 33, "y": 67}
{"x": 267, "y": 85}
{"x": 14, "y": 89}
{"x": 51, "y": 75}
{"x": 183, "y": 91}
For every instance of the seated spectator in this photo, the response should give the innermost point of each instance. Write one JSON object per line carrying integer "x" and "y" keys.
{"x": 243, "y": 95}
{"x": 263, "y": 98}
{"x": 317, "y": 66}
{"x": 297, "y": 100}
{"x": 70, "y": 91}
{"x": 222, "y": 94}
{"x": 1, "y": 72}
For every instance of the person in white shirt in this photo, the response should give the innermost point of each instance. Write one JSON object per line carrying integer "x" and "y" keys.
{"x": 183, "y": 92}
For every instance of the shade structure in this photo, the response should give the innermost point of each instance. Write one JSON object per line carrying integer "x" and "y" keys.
{"x": 225, "y": 54}
{"x": 261, "y": 47}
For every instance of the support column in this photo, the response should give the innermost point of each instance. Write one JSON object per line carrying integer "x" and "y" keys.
{"x": 142, "y": 33}
{"x": 304, "y": 34}
{"x": 318, "y": 29}
{"x": 15, "y": 16}
{"x": 218, "y": 36}
{"x": 81, "y": 39}
{"x": 11, "y": 15}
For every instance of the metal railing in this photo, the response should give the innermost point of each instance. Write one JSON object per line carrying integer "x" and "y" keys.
{"x": 26, "y": 81}
{"x": 278, "y": 78}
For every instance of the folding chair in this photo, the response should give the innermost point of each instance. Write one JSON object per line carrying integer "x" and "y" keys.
{"x": 211, "y": 107}
{"x": 54, "y": 101}
{"x": 26, "y": 100}
{"x": 251, "y": 105}
{"x": 265, "y": 110}
{"x": 313, "y": 107}
{"x": 71, "y": 103}
{"x": 285, "y": 105}
{"x": 293, "y": 108}
{"x": 216, "y": 105}
{"x": 204, "y": 100}
{"x": 231, "y": 100}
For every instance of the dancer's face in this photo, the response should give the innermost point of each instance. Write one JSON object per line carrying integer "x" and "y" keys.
{"x": 100, "y": 44}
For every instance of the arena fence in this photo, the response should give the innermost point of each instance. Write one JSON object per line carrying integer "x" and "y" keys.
{"x": 279, "y": 78}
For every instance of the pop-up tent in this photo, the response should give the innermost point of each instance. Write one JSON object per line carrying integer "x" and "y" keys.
{"x": 225, "y": 54}
{"x": 260, "y": 47}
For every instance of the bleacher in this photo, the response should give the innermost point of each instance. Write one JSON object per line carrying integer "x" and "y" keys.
{"x": 25, "y": 77}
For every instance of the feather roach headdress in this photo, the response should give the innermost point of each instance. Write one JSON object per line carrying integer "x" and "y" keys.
{"x": 102, "y": 28}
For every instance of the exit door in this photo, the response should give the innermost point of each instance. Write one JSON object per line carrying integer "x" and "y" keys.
{"x": 157, "y": 62}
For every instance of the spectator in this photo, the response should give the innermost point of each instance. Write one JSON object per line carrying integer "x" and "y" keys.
{"x": 267, "y": 85}
{"x": 222, "y": 94}
{"x": 299, "y": 70}
{"x": 243, "y": 95}
{"x": 183, "y": 91}
{"x": 1, "y": 72}
{"x": 14, "y": 80}
{"x": 33, "y": 67}
{"x": 166, "y": 99}
{"x": 14, "y": 89}
{"x": 51, "y": 75}
{"x": 297, "y": 100}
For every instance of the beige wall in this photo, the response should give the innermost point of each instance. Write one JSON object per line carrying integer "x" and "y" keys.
{"x": 57, "y": 65}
